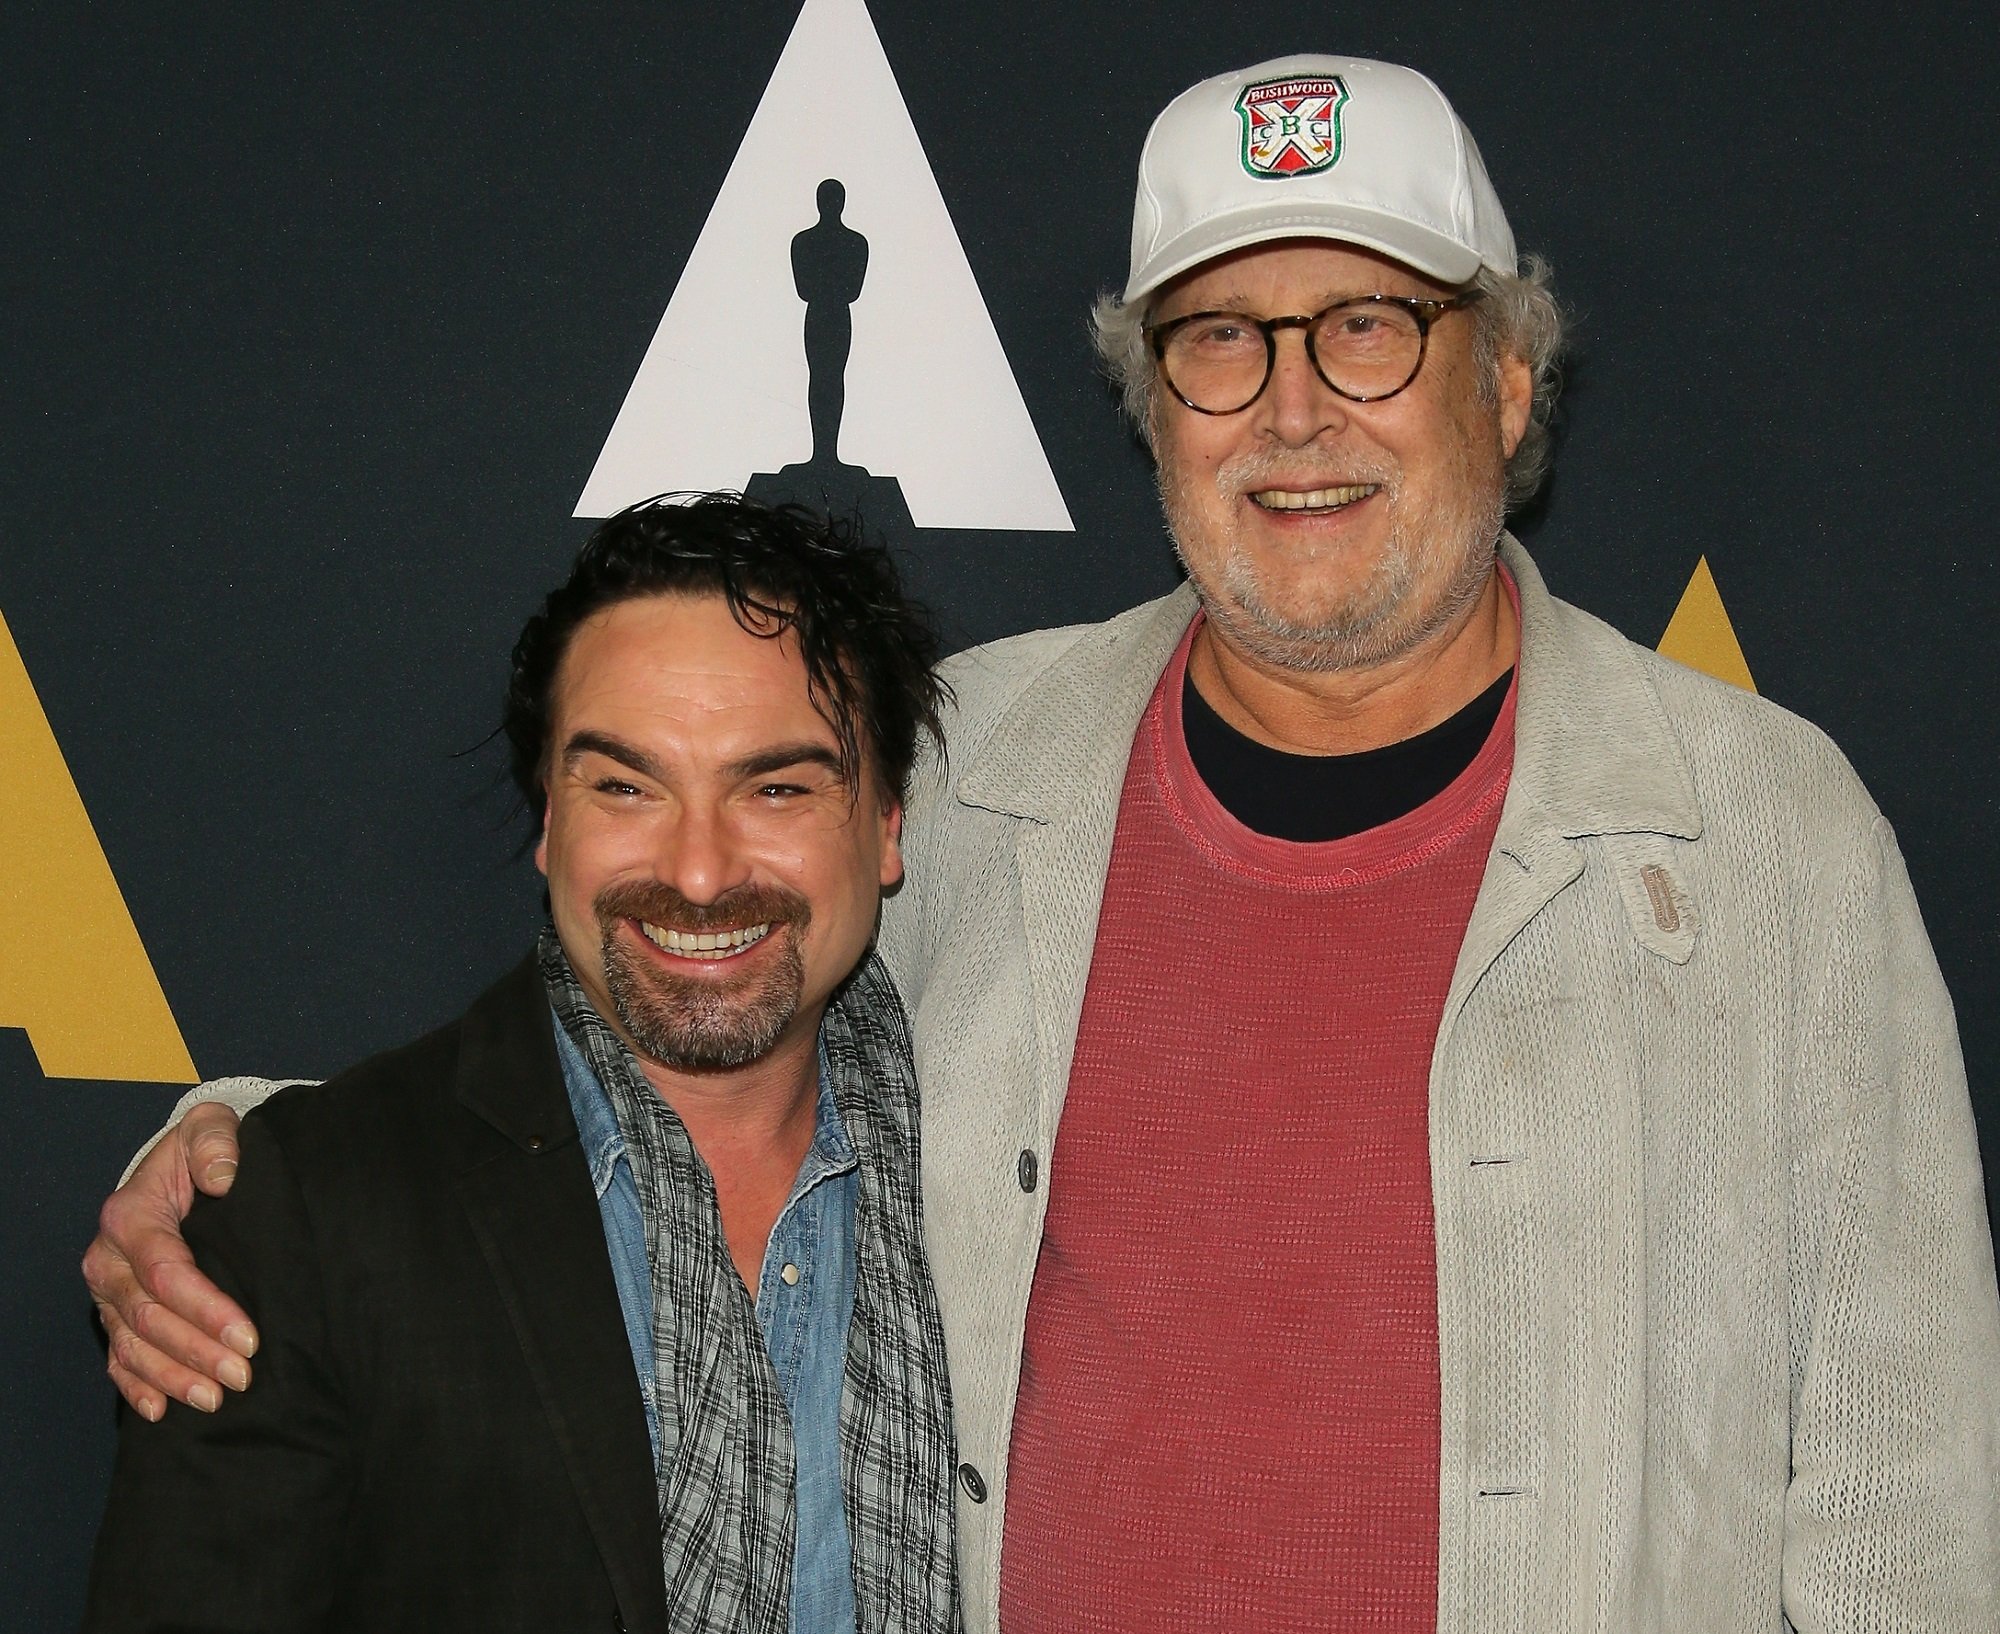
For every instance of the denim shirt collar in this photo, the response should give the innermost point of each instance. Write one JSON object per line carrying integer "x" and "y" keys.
{"x": 603, "y": 1142}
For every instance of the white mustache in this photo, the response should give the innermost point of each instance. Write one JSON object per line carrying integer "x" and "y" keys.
{"x": 1285, "y": 468}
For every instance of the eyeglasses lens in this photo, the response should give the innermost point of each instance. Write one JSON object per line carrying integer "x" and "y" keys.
{"x": 1364, "y": 349}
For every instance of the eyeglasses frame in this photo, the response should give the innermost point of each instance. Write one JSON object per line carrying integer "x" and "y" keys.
{"x": 1425, "y": 309}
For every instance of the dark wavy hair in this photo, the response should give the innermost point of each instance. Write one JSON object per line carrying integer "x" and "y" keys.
{"x": 870, "y": 651}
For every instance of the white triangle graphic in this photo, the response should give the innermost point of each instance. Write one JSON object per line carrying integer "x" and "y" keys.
{"x": 931, "y": 400}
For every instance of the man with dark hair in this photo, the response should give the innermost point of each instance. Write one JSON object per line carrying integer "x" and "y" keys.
{"x": 606, "y": 1305}
{"x": 1436, "y": 1118}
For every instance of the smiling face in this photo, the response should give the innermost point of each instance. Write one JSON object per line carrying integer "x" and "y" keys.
{"x": 1325, "y": 534}
{"x": 714, "y": 869}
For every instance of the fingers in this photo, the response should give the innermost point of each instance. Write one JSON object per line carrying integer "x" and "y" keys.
{"x": 208, "y": 1135}
{"x": 146, "y": 1377}
{"x": 148, "y": 1404}
{"x": 143, "y": 1399}
{"x": 181, "y": 1312}
{"x": 172, "y": 1332}
{"x": 140, "y": 1257}
{"x": 155, "y": 1352}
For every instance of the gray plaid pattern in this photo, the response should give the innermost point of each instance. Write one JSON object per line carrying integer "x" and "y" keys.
{"x": 725, "y": 1466}
{"x": 898, "y": 1454}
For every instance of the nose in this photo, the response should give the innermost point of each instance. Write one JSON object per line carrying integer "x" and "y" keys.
{"x": 1298, "y": 405}
{"x": 700, "y": 852}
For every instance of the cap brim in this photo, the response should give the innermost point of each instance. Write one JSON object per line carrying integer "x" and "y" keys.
{"x": 1422, "y": 248}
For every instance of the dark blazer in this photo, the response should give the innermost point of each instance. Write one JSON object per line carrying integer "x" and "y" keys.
{"x": 445, "y": 1430}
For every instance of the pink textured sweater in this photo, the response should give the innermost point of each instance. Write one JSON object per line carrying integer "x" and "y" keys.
{"x": 1228, "y": 1416}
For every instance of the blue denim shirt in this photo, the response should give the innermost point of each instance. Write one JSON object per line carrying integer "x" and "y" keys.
{"x": 804, "y": 1319}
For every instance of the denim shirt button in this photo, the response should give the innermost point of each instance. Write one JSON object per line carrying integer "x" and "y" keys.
{"x": 973, "y": 1482}
{"x": 1025, "y": 1169}
{"x": 790, "y": 1276}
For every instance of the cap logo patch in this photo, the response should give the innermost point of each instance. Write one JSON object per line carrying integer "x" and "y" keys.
{"x": 1291, "y": 127}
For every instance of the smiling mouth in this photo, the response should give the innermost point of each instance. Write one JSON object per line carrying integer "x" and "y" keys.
{"x": 1316, "y": 500}
{"x": 707, "y": 944}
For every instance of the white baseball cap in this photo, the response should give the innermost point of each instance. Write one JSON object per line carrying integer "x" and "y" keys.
{"x": 1315, "y": 147}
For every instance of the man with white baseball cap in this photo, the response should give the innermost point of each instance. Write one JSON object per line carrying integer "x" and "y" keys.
{"x": 1435, "y": 1117}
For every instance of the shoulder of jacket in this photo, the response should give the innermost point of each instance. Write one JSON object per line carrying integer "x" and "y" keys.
{"x": 374, "y": 1106}
{"x": 1753, "y": 749}
{"x": 992, "y": 674}
{"x": 988, "y": 680}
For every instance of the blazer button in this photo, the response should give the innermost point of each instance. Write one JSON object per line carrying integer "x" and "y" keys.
{"x": 1025, "y": 1170}
{"x": 535, "y": 1143}
{"x": 973, "y": 1482}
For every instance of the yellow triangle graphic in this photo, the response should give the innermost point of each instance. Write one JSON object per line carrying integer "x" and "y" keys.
{"x": 73, "y": 971}
{"x": 1700, "y": 635}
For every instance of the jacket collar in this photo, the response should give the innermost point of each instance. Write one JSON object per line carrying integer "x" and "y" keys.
{"x": 1593, "y": 751}
{"x": 1098, "y": 689}
{"x": 508, "y": 1071}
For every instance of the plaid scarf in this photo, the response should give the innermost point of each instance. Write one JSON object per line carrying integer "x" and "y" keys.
{"x": 726, "y": 1465}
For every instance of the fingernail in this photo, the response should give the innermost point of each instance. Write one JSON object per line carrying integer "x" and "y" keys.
{"x": 222, "y": 1169}
{"x": 205, "y": 1397}
{"x": 152, "y": 1411}
{"x": 235, "y": 1374}
{"x": 241, "y": 1338}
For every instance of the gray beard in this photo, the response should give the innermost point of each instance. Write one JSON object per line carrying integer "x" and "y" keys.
{"x": 1378, "y": 622}
{"x": 691, "y": 1028}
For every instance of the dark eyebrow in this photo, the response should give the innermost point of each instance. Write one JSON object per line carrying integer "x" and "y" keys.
{"x": 603, "y": 743}
{"x": 780, "y": 755}
{"x": 764, "y": 761}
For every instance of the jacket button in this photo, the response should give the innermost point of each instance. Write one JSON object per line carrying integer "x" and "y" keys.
{"x": 536, "y": 1143}
{"x": 973, "y": 1482}
{"x": 1025, "y": 1169}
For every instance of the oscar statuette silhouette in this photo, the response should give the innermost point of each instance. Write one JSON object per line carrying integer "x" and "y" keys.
{"x": 829, "y": 265}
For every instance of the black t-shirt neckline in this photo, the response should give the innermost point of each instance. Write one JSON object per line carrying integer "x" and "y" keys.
{"x": 1311, "y": 798}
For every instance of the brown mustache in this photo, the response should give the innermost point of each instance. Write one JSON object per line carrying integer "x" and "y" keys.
{"x": 659, "y": 903}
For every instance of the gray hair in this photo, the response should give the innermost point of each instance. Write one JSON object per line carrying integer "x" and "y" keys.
{"x": 1517, "y": 315}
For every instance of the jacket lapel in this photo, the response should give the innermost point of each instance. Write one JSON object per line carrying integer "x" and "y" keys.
{"x": 522, "y": 1179}
{"x": 1593, "y": 755}
{"x": 1058, "y": 762}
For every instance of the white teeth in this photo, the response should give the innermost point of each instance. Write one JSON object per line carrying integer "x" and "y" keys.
{"x": 1319, "y": 499}
{"x": 688, "y": 944}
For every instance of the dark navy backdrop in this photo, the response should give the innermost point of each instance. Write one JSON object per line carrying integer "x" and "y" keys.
{"x": 316, "y": 319}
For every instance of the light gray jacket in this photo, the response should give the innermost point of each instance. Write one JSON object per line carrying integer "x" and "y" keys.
{"x": 1716, "y": 1308}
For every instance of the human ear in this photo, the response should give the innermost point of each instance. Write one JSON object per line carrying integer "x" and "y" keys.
{"x": 1517, "y": 400}
{"x": 892, "y": 844}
